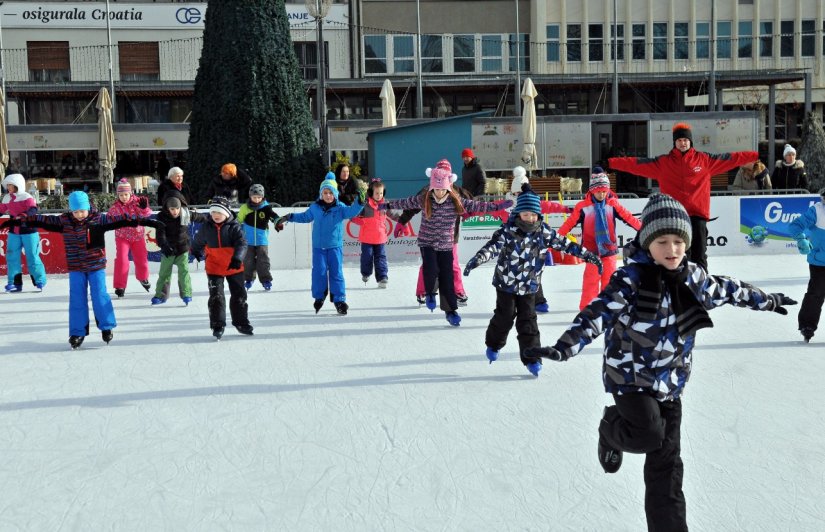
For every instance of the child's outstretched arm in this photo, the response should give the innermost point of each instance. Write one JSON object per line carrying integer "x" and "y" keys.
{"x": 349, "y": 211}
{"x": 621, "y": 212}
{"x": 107, "y": 223}
{"x": 554, "y": 240}
{"x": 47, "y": 222}
{"x": 716, "y": 290}
{"x": 299, "y": 217}
{"x": 488, "y": 251}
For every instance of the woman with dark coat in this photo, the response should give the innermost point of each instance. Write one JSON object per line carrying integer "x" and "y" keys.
{"x": 789, "y": 171}
{"x": 347, "y": 186}
{"x": 232, "y": 183}
{"x": 174, "y": 182}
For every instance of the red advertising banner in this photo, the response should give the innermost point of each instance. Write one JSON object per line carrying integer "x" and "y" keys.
{"x": 52, "y": 252}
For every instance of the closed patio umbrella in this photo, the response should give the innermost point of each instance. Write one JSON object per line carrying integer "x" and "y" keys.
{"x": 4, "y": 143}
{"x": 528, "y": 125}
{"x": 106, "y": 152}
{"x": 388, "y": 105}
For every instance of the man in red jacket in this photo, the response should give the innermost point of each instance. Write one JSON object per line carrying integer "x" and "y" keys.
{"x": 684, "y": 174}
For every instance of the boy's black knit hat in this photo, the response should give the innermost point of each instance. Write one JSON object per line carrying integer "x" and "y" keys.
{"x": 663, "y": 215}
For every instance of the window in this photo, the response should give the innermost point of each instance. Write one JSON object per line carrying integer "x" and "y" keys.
{"x": 745, "y": 2}
{"x": 595, "y": 34}
{"x": 464, "y": 53}
{"x": 56, "y": 112}
{"x": 49, "y": 61}
{"x": 139, "y": 61}
{"x": 524, "y": 58}
{"x": 152, "y": 111}
{"x": 307, "y": 54}
{"x": 808, "y": 38}
{"x": 681, "y": 48}
{"x": 431, "y": 54}
{"x": 491, "y": 53}
{"x": 574, "y": 42}
{"x": 660, "y": 40}
{"x": 723, "y": 33}
{"x": 619, "y": 45}
{"x": 638, "y": 41}
{"x": 403, "y": 54}
{"x": 745, "y": 44}
{"x": 702, "y": 40}
{"x": 766, "y": 38}
{"x": 375, "y": 54}
{"x": 786, "y": 48}
{"x": 552, "y": 43}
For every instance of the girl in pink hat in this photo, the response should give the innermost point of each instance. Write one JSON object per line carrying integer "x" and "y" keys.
{"x": 130, "y": 239}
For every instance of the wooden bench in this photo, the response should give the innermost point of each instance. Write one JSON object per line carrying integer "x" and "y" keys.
{"x": 721, "y": 181}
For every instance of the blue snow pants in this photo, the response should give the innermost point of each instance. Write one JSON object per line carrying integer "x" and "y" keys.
{"x": 374, "y": 254}
{"x": 81, "y": 284}
{"x": 328, "y": 271}
{"x": 31, "y": 243}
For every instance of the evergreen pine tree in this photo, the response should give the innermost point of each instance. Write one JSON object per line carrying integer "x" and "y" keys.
{"x": 812, "y": 151}
{"x": 249, "y": 106}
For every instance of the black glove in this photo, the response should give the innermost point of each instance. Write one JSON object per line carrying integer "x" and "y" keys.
{"x": 11, "y": 222}
{"x": 167, "y": 251}
{"x": 471, "y": 265}
{"x": 151, "y": 222}
{"x": 235, "y": 263}
{"x": 282, "y": 220}
{"x": 143, "y": 202}
{"x": 592, "y": 258}
{"x": 534, "y": 353}
{"x": 780, "y": 300}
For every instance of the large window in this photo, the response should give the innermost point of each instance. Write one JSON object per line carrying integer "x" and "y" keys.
{"x": 660, "y": 40}
{"x": 524, "y": 57}
{"x": 139, "y": 61}
{"x": 723, "y": 34}
{"x": 307, "y": 54}
{"x": 766, "y": 38}
{"x": 808, "y": 38}
{"x": 619, "y": 45}
{"x": 49, "y": 61}
{"x": 552, "y": 43}
{"x": 745, "y": 43}
{"x": 574, "y": 42}
{"x": 702, "y": 40}
{"x": 153, "y": 111}
{"x": 464, "y": 53}
{"x": 681, "y": 48}
{"x": 403, "y": 54}
{"x": 375, "y": 54}
{"x": 491, "y": 53}
{"x": 786, "y": 47}
{"x": 432, "y": 58}
{"x": 57, "y": 112}
{"x": 595, "y": 40}
{"x": 638, "y": 41}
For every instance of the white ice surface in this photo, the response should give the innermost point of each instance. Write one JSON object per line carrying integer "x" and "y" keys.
{"x": 388, "y": 418}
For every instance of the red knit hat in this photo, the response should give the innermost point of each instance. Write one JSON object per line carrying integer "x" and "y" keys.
{"x": 468, "y": 152}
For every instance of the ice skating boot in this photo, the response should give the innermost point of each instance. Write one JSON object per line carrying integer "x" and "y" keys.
{"x": 431, "y": 302}
{"x": 542, "y": 308}
{"x": 317, "y": 305}
{"x": 382, "y": 283}
{"x": 12, "y": 288}
{"x": 462, "y": 299}
{"x": 609, "y": 458}
{"x": 158, "y": 301}
{"x": 248, "y": 284}
{"x": 365, "y": 278}
{"x": 492, "y": 355}
{"x": 267, "y": 285}
{"x": 76, "y": 341}
{"x": 107, "y": 336}
{"x": 453, "y": 318}
{"x": 534, "y": 368}
{"x": 217, "y": 333}
{"x": 341, "y": 308}
{"x": 807, "y": 334}
{"x": 120, "y": 292}
{"x": 421, "y": 300}
{"x": 186, "y": 300}
{"x": 146, "y": 284}
{"x": 245, "y": 329}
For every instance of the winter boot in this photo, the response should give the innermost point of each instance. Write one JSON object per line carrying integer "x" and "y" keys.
{"x": 462, "y": 299}
{"x": 341, "y": 308}
{"x": 245, "y": 329}
{"x": 158, "y": 301}
{"x": 431, "y": 302}
{"x": 12, "y": 288}
{"x": 146, "y": 284}
{"x": 267, "y": 285}
{"x": 186, "y": 300}
{"x": 542, "y": 307}
{"x": 107, "y": 336}
{"x": 807, "y": 334}
{"x": 248, "y": 284}
{"x": 534, "y": 368}
{"x": 609, "y": 458}
{"x": 120, "y": 292}
{"x": 75, "y": 341}
{"x": 382, "y": 283}
{"x": 492, "y": 355}
{"x": 217, "y": 333}
{"x": 318, "y": 304}
{"x": 453, "y": 317}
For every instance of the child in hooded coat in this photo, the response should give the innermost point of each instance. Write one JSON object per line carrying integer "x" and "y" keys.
{"x": 130, "y": 239}
{"x": 373, "y": 234}
{"x": 809, "y": 232}
{"x": 327, "y": 216}
{"x": 255, "y": 216}
{"x": 15, "y": 203}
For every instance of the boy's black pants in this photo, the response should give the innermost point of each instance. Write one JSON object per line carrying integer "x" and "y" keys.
{"x": 513, "y": 308}
{"x": 438, "y": 272}
{"x": 217, "y": 301}
{"x": 699, "y": 242}
{"x": 811, "y": 308}
{"x": 641, "y": 424}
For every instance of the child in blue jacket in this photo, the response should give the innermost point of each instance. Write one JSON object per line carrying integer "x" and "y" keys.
{"x": 809, "y": 232}
{"x": 328, "y": 215}
{"x": 255, "y": 216}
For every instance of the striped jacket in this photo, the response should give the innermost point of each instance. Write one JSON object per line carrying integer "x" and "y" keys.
{"x": 650, "y": 356}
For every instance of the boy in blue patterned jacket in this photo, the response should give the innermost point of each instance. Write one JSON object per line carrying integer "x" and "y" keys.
{"x": 650, "y": 312}
{"x": 521, "y": 245}
{"x": 809, "y": 232}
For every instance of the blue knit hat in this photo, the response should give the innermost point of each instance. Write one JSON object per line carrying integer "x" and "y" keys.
{"x": 331, "y": 185}
{"x": 527, "y": 201}
{"x": 79, "y": 201}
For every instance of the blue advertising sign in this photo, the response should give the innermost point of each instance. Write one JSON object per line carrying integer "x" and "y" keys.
{"x": 768, "y": 217}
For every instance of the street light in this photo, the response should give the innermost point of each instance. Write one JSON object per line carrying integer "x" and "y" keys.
{"x": 318, "y": 9}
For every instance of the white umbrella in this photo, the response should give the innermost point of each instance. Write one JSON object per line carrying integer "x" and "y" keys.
{"x": 4, "y": 143}
{"x": 106, "y": 152}
{"x": 528, "y": 124}
{"x": 388, "y": 105}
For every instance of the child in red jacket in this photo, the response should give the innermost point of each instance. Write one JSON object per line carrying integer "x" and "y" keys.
{"x": 373, "y": 234}
{"x": 130, "y": 239}
{"x": 597, "y": 213}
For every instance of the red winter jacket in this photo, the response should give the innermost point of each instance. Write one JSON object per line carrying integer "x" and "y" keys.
{"x": 584, "y": 213}
{"x": 685, "y": 176}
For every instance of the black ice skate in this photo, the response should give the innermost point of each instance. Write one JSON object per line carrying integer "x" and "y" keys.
{"x": 609, "y": 458}
{"x": 120, "y": 292}
{"x": 107, "y": 336}
{"x": 217, "y": 333}
{"x": 317, "y": 305}
{"x": 75, "y": 341}
{"x": 245, "y": 329}
{"x": 146, "y": 284}
{"x": 341, "y": 308}
{"x": 807, "y": 334}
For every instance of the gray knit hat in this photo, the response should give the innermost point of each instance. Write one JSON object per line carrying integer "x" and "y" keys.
{"x": 664, "y": 215}
{"x": 256, "y": 190}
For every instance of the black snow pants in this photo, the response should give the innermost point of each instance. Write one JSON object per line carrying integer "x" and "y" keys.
{"x": 217, "y": 301}
{"x": 513, "y": 308}
{"x": 811, "y": 307}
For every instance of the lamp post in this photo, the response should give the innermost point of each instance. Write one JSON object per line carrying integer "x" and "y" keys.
{"x": 318, "y": 9}
{"x": 518, "y": 66}
{"x": 614, "y": 92}
{"x": 111, "y": 68}
{"x": 419, "y": 91}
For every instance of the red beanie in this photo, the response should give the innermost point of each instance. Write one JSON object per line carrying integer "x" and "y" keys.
{"x": 467, "y": 152}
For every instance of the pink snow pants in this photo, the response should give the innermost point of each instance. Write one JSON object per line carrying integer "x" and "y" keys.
{"x": 139, "y": 255}
{"x": 592, "y": 282}
{"x": 458, "y": 283}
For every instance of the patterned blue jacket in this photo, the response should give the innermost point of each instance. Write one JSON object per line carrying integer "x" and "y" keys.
{"x": 812, "y": 225}
{"x": 521, "y": 256}
{"x": 650, "y": 356}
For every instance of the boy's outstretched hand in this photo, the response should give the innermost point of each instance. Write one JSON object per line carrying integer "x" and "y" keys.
{"x": 592, "y": 258}
{"x": 533, "y": 354}
{"x": 11, "y": 222}
{"x": 780, "y": 301}
{"x": 471, "y": 265}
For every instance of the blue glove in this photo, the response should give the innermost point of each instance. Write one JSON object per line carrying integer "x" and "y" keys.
{"x": 804, "y": 245}
{"x": 504, "y": 204}
{"x": 592, "y": 258}
{"x": 471, "y": 265}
